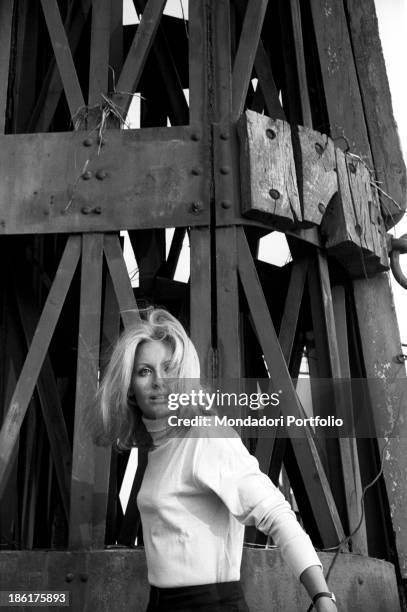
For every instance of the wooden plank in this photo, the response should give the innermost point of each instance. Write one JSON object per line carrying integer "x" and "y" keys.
{"x": 50, "y": 402}
{"x": 36, "y": 354}
{"x": 313, "y": 475}
{"x": 316, "y": 173}
{"x": 83, "y": 491}
{"x": 149, "y": 251}
{"x": 292, "y": 307}
{"x": 121, "y": 281}
{"x": 137, "y": 55}
{"x": 269, "y": 190}
{"x": 6, "y": 18}
{"x": 99, "y": 51}
{"x": 349, "y": 450}
{"x": 377, "y": 102}
{"x": 178, "y": 111}
{"x": 198, "y": 90}
{"x": 140, "y": 178}
{"x": 201, "y": 293}
{"x": 246, "y": 53}
{"x": 380, "y": 340}
{"x": 63, "y": 56}
{"x": 169, "y": 266}
{"x": 52, "y": 87}
{"x": 131, "y": 519}
{"x": 300, "y": 61}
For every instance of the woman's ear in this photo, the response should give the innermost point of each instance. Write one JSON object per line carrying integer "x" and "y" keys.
{"x": 131, "y": 399}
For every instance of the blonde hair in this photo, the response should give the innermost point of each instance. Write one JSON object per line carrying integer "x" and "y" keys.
{"x": 119, "y": 416}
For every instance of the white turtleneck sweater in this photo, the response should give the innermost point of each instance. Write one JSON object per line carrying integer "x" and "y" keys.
{"x": 197, "y": 494}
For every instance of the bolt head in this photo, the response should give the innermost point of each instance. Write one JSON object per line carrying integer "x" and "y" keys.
{"x": 226, "y": 204}
{"x": 85, "y": 210}
{"x": 319, "y": 148}
{"x": 87, "y": 175}
{"x": 101, "y": 174}
{"x": 274, "y": 194}
{"x": 270, "y": 133}
{"x": 352, "y": 168}
{"x": 88, "y": 142}
{"x": 225, "y": 170}
{"x": 97, "y": 210}
{"x": 196, "y": 207}
{"x": 196, "y": 171}
{"x": 69, "y": 577}
{"x": 195, "y": 136}
{"x": 224, "y": 135}
{"x": 321, "y": 208}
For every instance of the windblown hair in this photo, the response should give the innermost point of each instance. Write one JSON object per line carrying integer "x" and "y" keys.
{"x": 119, "y": 419}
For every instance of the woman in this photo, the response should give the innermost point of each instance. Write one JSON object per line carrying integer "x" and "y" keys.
{"x": 199, "y": 490}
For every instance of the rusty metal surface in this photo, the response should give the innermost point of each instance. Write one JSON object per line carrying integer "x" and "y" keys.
{"x": 69, "y": 182}
{"x": 116, "y": 580}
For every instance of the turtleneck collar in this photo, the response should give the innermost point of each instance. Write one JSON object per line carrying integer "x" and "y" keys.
{"x": 157, "y": 428}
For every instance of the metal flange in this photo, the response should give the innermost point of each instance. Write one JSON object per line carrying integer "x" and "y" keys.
{"x": 398, "y": 246}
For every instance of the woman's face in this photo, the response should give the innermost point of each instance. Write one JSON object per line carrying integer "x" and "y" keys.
{"x": 151, "y": 368}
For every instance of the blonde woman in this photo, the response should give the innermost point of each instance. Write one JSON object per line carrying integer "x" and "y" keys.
{"x": 198, "y": 490}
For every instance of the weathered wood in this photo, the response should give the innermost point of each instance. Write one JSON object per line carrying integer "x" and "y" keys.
{"x": 121, "y": 281}
{"x": 6, "y": 17}
{"x": 140, "y": 178}
{"x": 352, "y": 225}
{"x": 300, "y": 61}
{"x": 269, "y": 188}
{"x": 99, "y": 51}
{"x": 246, "y": 53}
{"x": 36, "y": 354}
{"x": 198, "y": 89}
{"x": 131, "y": 520}
{"x": 137, "y": 55}
{"x": 349, "y": 450}
{"x": 60, "y": 446}
{"x": 313, "y": 475}
{"x": 81, "y": 517}
{"x": 63, "y": 56}
{"x": 316, "y": 172}
{"x": 374, "y": 87}
{"x": 52, "y": 87}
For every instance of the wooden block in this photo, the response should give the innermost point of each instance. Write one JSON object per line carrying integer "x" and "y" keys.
{"x": 268, "y": 176}
{"x": 352, "y": 226}
{"x": 316, "y": 172}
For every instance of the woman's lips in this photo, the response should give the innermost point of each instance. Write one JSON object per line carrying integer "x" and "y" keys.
{"x": 159, "y": 399}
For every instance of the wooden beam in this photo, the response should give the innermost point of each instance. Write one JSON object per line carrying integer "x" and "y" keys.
{"x": 246, "y": 53}
{"x": 121, "y": 281}
{"x": 52, "y": 87}
{"x": 137, "y": 55}
{"x": 82, "y": 516}
{"x": 198, "y": 88}
{"x": 99, "y": 51}
{"x": 63, "y": 56}
{"x": 6, "y": 18}
{"x": 36, "y": 354}
{"x": 313, "y": 475}
{"x": 50, "y": 402}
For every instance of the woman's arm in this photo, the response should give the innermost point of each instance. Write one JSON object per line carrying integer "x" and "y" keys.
{"x": 313, "y": 580}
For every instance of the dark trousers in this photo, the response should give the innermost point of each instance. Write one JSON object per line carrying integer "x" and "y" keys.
{"x": 220, "y": 597}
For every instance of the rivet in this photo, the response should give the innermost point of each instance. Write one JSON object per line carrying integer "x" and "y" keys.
{"x": 46, "y": 211}
{"x": 321, "y": 208}
{"x": 270, "y": 134}
{"x": 88, "y": 142}
{"x": 69, "y": 577}
{"x": 85, "y": 210}
{"x": 318, "y": 148}
{"x": 226, "y": 204}
{"x": 358, "y": 229}
{"x": 2, "y": 223}
{"x": 195, "y": 136}
{"x": 83, "y": 577}
{"x": 224, "y": 135}
{"x": 86, "y": 175}
{"x": 101, "y": 174}
{"x": 225, "y": 170}
{"x": 196, "y": 207}
{"x": 274, "y": 194}
{"x": 97, "y": 210}
{"x": 360, "y": 580}
{"x": 196, "y": 171}
{"x": 352, "y": 168}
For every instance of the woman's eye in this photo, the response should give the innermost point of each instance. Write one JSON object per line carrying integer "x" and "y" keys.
{"x": 144, "y": 371}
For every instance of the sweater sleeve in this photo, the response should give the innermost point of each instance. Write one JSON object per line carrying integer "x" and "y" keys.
{"x": 224, "y": 466}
